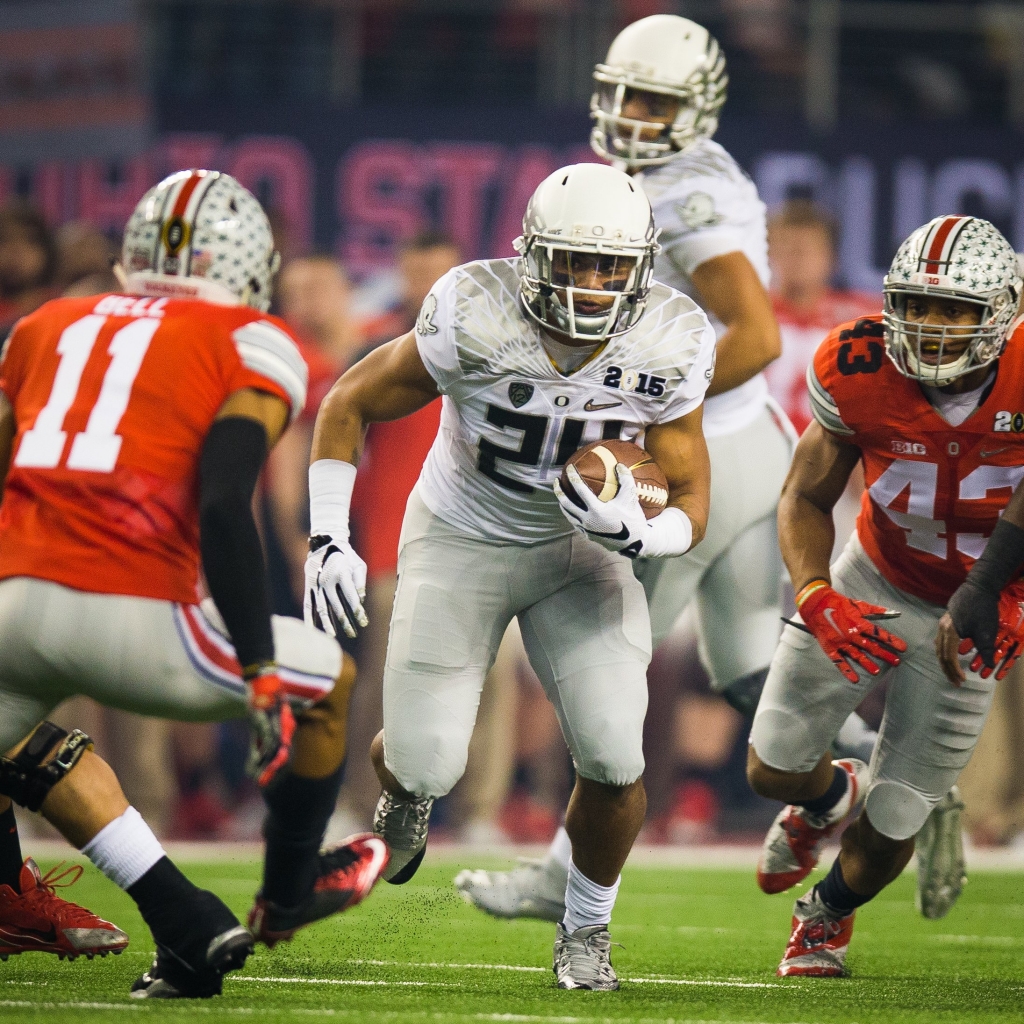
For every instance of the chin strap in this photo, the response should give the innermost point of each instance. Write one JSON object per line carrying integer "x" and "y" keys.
{"x": 26, "y": 780}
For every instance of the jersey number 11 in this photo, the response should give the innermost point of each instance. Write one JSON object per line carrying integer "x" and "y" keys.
{"x": 98, "y": 446}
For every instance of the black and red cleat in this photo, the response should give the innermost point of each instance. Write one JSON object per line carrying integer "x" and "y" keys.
{"x": 347, "y": 874}
{"x": 37, "y": 920}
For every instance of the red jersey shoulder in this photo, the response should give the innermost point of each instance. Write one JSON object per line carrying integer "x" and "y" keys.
{"x": 853, "y": 349}
{"x": 257, "y": 347}
{"x": 852, "y": 383}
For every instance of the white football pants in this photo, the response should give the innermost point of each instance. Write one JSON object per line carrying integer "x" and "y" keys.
{"x": 929, "y": 728}
{"x": 585, "y": 628}
{"x": 152, "y": 657}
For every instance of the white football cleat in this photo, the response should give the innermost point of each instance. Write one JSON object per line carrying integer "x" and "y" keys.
{"x": 941, "y": 869}
{"x": 583, "y": 959}
{"x": 534, "y": 889}
{"x": 402, "y": 824}
{"x": 793, "y": 844}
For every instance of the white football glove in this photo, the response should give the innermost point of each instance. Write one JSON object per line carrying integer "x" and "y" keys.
{"x": 618, "y": 524}
{"x": 335, "y": 586}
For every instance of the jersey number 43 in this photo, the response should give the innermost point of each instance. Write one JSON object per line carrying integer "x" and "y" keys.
{"x": 924, "y": 532}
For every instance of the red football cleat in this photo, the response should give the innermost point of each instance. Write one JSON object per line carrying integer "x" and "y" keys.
{"x": 347, "y": 874}
{"x": 819, "y": 940}
{"x": 36, "y": 920}
{"x": 793, "y": 844}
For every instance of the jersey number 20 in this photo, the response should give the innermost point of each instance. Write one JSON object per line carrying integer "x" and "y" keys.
{"x": 97, "y": 447}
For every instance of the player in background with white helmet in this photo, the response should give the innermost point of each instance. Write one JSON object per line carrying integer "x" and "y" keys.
{"x": 924, "y": 397}
{"x": 655, "y": 108}
{"x": 534, "y": 357}
{"x": 133, "y": 428}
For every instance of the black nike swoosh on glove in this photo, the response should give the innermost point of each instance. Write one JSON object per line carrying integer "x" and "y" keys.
{"x": 623, "y": 534}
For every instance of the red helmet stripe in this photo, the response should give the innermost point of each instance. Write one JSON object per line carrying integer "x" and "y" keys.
{"x": 181, "y": 203}
{"x": 934, "y": 256}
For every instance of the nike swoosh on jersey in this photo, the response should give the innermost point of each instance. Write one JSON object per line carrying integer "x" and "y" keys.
{"x": 994, "y": 451}
{"x": 621, "y": 535}
{"x": 592, "y": 407}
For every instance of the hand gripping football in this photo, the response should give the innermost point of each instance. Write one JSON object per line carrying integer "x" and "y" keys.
{"x": 596, "y": 466}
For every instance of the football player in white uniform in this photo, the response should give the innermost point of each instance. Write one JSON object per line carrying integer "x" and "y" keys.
{"x": 535, "y": 357}
{"x": 655, "y": 109}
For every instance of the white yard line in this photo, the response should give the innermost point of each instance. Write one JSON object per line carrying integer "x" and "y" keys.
{"x": 700, "y": 982}
{"x": 339, "y": 981}
{"x": 465, "y": 967}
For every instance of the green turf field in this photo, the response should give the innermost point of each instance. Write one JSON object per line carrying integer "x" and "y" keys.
{"x": 700, "y": 945}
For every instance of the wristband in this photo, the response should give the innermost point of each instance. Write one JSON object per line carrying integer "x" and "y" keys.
{"x": 811, "y": 587}
{"x": 330, "y": 494}
{"x": 671, "y": 533}
{"x": 1001, "y": 559}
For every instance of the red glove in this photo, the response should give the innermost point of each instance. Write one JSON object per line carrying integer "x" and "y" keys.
{"x": 843, "y": 628}
{"x": 1010, "y": 638}
{"x": 272, "y": 725}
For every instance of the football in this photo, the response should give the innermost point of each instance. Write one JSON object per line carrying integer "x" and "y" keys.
{"x": 596, "y": 466}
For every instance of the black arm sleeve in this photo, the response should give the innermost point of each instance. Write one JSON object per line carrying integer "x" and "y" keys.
{"x": 233, "y": 455}
{"x": 1001, "y": 560}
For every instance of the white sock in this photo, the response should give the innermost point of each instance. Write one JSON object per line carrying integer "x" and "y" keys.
{"x": 125, "y": 849}
{"x": 586, "y": 902}
{"x": 560, "y": 850}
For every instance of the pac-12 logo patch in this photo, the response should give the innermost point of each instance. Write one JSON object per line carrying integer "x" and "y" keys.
{"x": 519, "y": 393}
{"x": 425, "y": 321}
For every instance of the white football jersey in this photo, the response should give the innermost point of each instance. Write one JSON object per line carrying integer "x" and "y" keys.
{"x": 706, "y": 206}
{"x": 510, "y": 419}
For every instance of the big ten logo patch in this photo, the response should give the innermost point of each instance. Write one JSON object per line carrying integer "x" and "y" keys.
{"x": 909, "y": 448}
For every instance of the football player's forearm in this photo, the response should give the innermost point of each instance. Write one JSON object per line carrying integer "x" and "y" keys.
{"x": 746, "y": 349}
{"x": 806, "y": 538}
{"x": 1014, "y": 512}
{"x": 695, "y": 505}
{"x": 729, "y": 288}
{"x": 681, "y": 451}
{"x": 339, "y": 430}
{"x": 390, "y": 383}
{"x": 233, "y": 455}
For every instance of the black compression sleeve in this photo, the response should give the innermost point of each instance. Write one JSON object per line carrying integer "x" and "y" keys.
{"x": 233, "y": 455}
{"x": 1001, "y": 560}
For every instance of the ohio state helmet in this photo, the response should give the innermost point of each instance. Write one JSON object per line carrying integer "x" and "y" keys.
{"x": 664, "y": 54}
{"x": 587, "y": 209}
{"x": 963, "y": 258}
{"x": 200, "y": 234}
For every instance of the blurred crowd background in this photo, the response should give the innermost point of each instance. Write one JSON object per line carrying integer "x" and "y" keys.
{"x": 391, "y": 141}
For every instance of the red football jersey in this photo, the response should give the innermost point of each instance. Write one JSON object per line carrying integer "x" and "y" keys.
{"x": 113, "y": 397}
{"x": 934, "y": 492}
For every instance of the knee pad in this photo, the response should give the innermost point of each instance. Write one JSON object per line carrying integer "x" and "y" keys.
{"x": 745, "y": 693}
{"x": 783, "y": 741}
{"x": 620, "y": 767}
{"x": 896, "y": 810}
{"x": 25, "y": 779}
